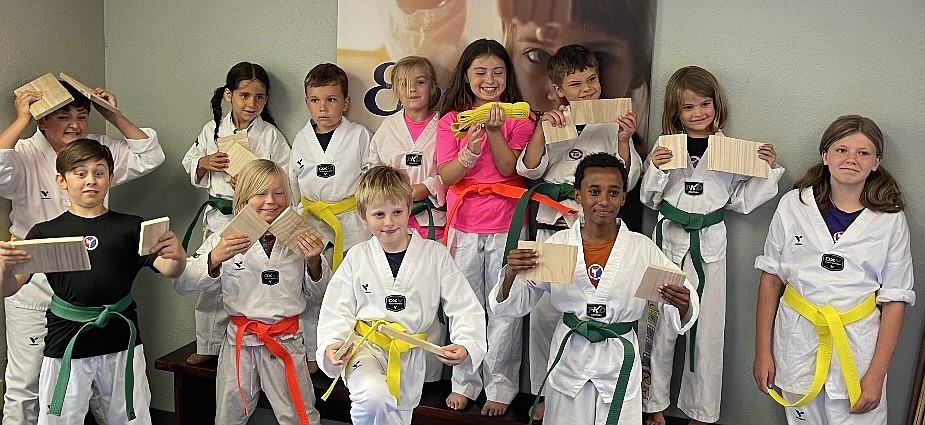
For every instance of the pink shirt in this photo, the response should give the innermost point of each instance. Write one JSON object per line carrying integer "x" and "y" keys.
{"x": 482, "y": 214}
{"x": 416, "y": 128}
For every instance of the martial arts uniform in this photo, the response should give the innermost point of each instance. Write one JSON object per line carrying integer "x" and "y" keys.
{"x": 476, "y": 236}
{"x": 364, "y": 289}
{"x": 699, "y": 191}
{"x": 587, "y": 373}
{"x": 267, "y": 142}
{"x": 271, "y": 290}
{"x": 558, "y": 166}
{"x": 870, "y": 259}
{"x": 27, "y": 178}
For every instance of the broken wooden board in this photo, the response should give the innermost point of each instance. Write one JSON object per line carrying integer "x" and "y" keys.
{"x": 677, "y": 144}
{"x": 411, "y": 339}
{"x": 656, "y": 276}
{"x": 247, "y": 222}
{"x": 54, "y": 95}
{"x": 554, "y": 134}
{"x": 288, "y": 226}
{"x": 737, "y": 156}
{"x": 600, "y": 110}
{"x": 239, "y": 138}
{"x": 238, "y": 157}
{"x": 350, "y": 342}
{"x": 556, "y": 262}
{"x": 87, "y": 91}
{"x": 53, "y": 255}
{"x": 151, "y": 232}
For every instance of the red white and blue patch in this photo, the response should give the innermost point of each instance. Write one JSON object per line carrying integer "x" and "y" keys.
{"x": 91, "y": 242}
{"x": 595, "y": 271}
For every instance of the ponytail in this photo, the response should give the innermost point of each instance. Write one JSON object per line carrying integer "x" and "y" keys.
{"x": 266, "y": 116}
{"x": 217, "y": 108}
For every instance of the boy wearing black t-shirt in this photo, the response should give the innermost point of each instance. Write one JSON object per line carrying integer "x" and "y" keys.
{"x": 92, "y": 324}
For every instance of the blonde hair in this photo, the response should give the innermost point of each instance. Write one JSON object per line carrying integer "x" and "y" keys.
{"x": 256, "y": 176}
{"x": 382, "y": 183}
{"x": 701, "y": 82}
{"x": 401, "y": 77}
{"x": 881, "y": 191}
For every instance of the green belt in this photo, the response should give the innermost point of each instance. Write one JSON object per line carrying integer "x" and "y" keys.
{"x": 221, "y": 204}
{"x": 692, "y": 224}
{"x": 595, "y": 332}
{"x": 92, "y": 317}
{"x": 557, "y": 191}
{"x": 426, "y": 205}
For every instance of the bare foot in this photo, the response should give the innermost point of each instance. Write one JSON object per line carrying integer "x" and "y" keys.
{"x": 539, "y": 411}
{"x": 656, "y": 418}
{"x": 493, "y": 408}
{"x": 196, "y": 358}
{"x": 457, "y": 401}
{"x": 312, "y": 367}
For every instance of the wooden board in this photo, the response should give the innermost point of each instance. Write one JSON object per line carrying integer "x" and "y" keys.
{"x": 350, "y": 342}
{"x": 410, "y": 339}
{"x": 54, "y": 95}
{"x": 239, "y": 138}
{"x": 238, "y": 157}
{"x": 677, "y": 144}
{"x": 151, "y": 231}
{"x": 288, "y": 226}
{"x": 87, "y": 91}
{"x": 737, "y": 156}
{"x": 556, "y": 262}
{"x": 53, "y": 255}
{"x": 247, "y": 222}
{"x": 554, "y": 134}
{"x": 654, "y": 277}
{"x": 600, "y": 110}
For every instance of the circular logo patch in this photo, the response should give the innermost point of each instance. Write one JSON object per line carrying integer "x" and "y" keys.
{"x": 575, "y": 154}
{"x": 595, "y": 271}
{"x": 91, "y": 242}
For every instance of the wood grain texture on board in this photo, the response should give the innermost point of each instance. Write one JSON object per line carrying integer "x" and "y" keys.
{"x": 554, "y": 134}
{"x": 151, "y": 231}
{"x": 247, "y": 222}
{"x": 87, "y": 91}
{"x": 238, "y": 157}
{"x": 600, "y": 110}
{"x": 411, "y": 339}
{"x": 737, "y": 156}
{"x": 288, "y": 226}
{"x": 654, "y": 277}
{"x": 54, "y": 95}
{"x": 677, "y": 144}
{"x": 53, "y": 255}
{"x": 556, "y": 262}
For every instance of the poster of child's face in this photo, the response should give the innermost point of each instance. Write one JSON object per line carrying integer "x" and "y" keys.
{"x": 619, "y": 32}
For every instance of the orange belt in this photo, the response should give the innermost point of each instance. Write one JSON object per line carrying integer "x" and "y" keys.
{"x": 512, "y": 188}
{"x": 267, "y": 333}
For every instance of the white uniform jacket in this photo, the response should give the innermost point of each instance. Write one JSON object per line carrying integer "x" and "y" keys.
{"x": 599, "y": 363}
{"x": 427, "y": 277}
{"x": 27, "y": 178}
{"x": 392, "y": 145}
{"x": 248, "y": 290}
{"x": 877, "y": 260}
{"x": 266, "y": 141}
{"x": 343, "y": 163}
{"x": 733, "y": 192}
{"x": 561, "y": 159}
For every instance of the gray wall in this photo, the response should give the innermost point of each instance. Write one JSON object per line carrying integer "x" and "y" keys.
{"x": 46, "y": 36}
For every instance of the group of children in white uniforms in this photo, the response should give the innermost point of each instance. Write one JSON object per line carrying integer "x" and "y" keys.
{"x": 466, "y": 176}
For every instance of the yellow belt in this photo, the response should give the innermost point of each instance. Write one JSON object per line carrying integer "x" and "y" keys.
{"x": 327, "y": 213}
{"x": 466, "y": 118}
{"x": 830, "y": 326}
{"x": 394, "y": 346}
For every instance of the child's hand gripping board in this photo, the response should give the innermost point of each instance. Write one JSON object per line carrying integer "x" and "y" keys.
{"x": 677, "y": 144}
{"x": 599, "y": 110}
{"x": 288, "y": 226}
{"x": 54, "y": 95}
{"x": 554, "y": 134}
{"x": 88, "y": 92}
{"x": 247, "y": 222}
{"x": 351, "y": 341}
{"x": 54, "y": 255}
{"x": 151, "y": 232}
{"x": 737, "y": 156}
{"x": 556, "y": 262}
{"x": 411, "y": 339}
{"x": 238, "y": 153}
{"x": 654, "y": 277}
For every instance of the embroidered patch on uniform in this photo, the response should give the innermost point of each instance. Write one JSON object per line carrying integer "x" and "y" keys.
{"x": 693, "y": 188}
{"x": 833, "y": 263}
{"x": 269, "y": 277}
{"x": 365, "y": 288}
{"x": 325, "y": 170}
{"x": 239, "y": 265}
{"x": 414, "y": 159}
{"x": 300, "y": 163}
{"x": 595, "y": 271}
{"x": 91, "y": 242}
{"x": 799, "y": 239}
{"x": 575, "y": 154}
{"x": 597, "y": 311}
{"x": 45, "y": 194}
{"x": 395, "y": 303}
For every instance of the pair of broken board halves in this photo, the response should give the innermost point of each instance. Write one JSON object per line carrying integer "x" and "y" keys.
{"x": 581, "y": 112}
{"x": 55, "y": 95}
{"x": 287, "y": 227}
{"x": 724, "y": 154}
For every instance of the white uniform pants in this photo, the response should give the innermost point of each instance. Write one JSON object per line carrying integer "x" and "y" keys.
{"x": 371, "y": 402}
{"x": 262, "y": 371}
{"x": 25, "y": 342}
{"x": 544, "y": 318}
{"x": 433, "y": 368}
{"x": 479, "y": 257}
{"x": 588, "y": 407}
{"x": 211, "y": 317}
{"x": 107, "y": 374}
{"x": 701, "y": 390}
{"x": 823, "y": 410}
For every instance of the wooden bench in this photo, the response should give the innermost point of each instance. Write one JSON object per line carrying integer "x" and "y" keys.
{"x": 194, "y": 397}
